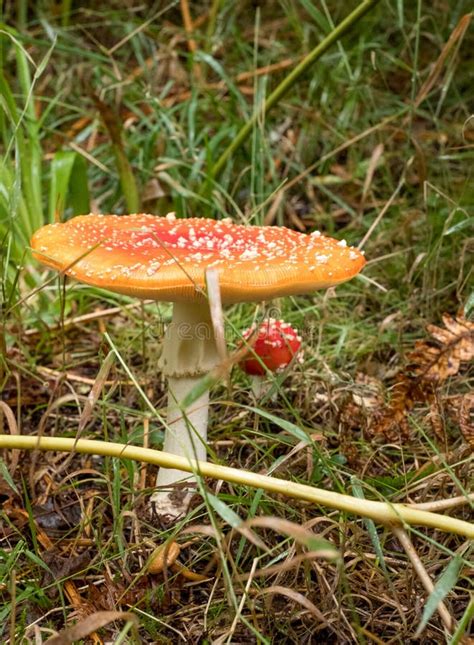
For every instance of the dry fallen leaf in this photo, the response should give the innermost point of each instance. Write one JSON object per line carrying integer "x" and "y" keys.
{"x": 163, "y": 557}
{"x": 369, "y": 392}
{"x": 6, "y": 411}
{"x": 90, "y": 624}
{"x": 456, "y": 346}
{"x": 466, "y": 418}
{"x": 428, "y": 365}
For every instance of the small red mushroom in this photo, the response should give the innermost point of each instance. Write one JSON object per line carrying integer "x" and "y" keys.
{"x": 275, "y": 345}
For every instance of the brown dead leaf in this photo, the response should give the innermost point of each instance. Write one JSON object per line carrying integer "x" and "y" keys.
{"x": 57, "y": 513}
{"x": 90, "y": 624}
{"x": 391, "y": 421}
{"x": 435, "y": 417}
{"x": 466, "y": 418}
{"x": 152, "y": 191}
{"x": 112, "y": 593}
{"x": 453, "y": 43}
{"x": 60, "y": 567}
{"x": 95, "y": 392}
{"x": 163, "y": 557}
{"x": 6, "y": 411}
{"x": 369, "y": 392}
{"x": 455, "y": 346}
{"x": 429, "y": 364}
{"x": 301, "y": 535}
{"x": 296, "y": 597}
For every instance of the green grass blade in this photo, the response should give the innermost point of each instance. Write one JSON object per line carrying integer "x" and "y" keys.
{"x": 224, "y": 511}
{"x": 463, "y": 624}
{"x": 219, "y": 70}
{"x": 370, "y": 524}
{"x": 285, "y": 425}
{"x": 469, "y": 306}
{"x": 66, "y": 6}
{"x": 31, "y": 153}
{"x": 443, "y": 586}
{"x": 290, "y": 80}
{"x": 5, "y": 474}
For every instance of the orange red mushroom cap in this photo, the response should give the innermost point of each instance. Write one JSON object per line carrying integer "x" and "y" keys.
{"x": 166, "y": 259}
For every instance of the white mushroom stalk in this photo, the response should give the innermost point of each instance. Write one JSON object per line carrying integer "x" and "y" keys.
{"x": 189, "y": 352}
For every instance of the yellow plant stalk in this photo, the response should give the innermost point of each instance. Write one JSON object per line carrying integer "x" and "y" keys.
{"x": 382, "y": 512}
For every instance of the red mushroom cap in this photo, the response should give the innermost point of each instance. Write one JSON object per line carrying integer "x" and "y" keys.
{"x": 275, "y": 345}
{"x": 166, "y": 259}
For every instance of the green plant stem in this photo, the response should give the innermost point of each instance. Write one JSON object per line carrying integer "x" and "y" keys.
{"x": 21, "y": 14}
{"x": 125, "y": 171}
{"x": 382, "y": 512}
{"x": 289, "y": 81}
{"x": 66, "y": 12}
{"x": 211, "y": 23}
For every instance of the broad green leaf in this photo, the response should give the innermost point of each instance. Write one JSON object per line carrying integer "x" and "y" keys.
{"x": 68, "y": 179}
{"x": 61, "y": 170}
{"x": 79, "y": 187}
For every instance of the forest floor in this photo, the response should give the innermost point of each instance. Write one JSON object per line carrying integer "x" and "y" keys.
{"x": 124, "y": 108}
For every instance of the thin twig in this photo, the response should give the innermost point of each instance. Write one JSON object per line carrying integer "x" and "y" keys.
{"x": 422, "y": 574}
{"x": 262, "y": 71}
{"x": 77, "y": 378}
{"x": 444, "y": 504}
{"x": 211, "y": 25}
{"x": 189, "y": 28}
{"x": 95, "y": 315}
{"x": 377, "y": 220}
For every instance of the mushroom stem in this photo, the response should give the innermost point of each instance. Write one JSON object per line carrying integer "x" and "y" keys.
{"x": 188, "y": 428}
{"x": 256, "y": 385}
{"x": 189, "y": 352}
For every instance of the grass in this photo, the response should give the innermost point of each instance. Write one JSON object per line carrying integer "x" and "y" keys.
{"x": 382, "y": 118}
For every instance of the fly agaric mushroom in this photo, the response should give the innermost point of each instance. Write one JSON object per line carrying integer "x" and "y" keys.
{"x": 166, "y": 259}
{"x": 275, "y": 345}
